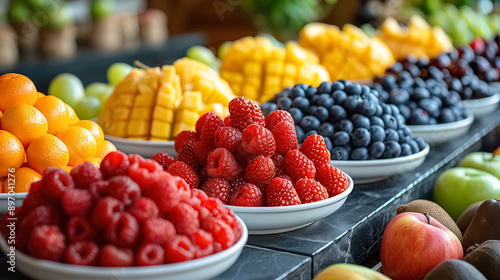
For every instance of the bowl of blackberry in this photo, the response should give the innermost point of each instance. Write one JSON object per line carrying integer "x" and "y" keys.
{"x": 363, "y": 134}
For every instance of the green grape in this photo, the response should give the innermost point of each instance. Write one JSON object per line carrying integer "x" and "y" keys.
{"x": 104, "y": 97}
{"x": 19, "y": 12}
{"x": 202, "y": 54}
{"x": 117, "y": 72}
{"x": 68, "y": 88}
{"x": 89, "y": 107}
{"x": 494, "y": 22}
{"x": 223, "y": 49}
{"x": 460, "y": 33}
{"x": 440, "y": 19}
{"x": 451, "y": 11}
{"x": 96, "y": 89}
{"x": 101, "y": 8}
{"x": 482, "y": 21}
{"x": 368, "y": 29}
{"x": 61, "y": 17}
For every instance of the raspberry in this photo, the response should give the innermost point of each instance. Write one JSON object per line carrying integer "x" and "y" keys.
{"x": 310, "y": 190}
{"x": 111, "y": 256}
{"x": 82, "y": 253}
{"x": 98, "y": 189}
{"x": 150, "y": 254}
{"x": 76, "y": 202}
{"x": 211, "y": 124}
{"x": 143, "y": 208}
{"x": 145, "y": 173}
{"x": 245, "y": 112}
{"x": 242, "y": 156}
{"x": 182, "y": 186}
{"x": 183, "y": 138}
{"x": 34, "y": 199}
{"x": 237, "y": 182}
{"x": 84, "y": 174}
{"x": 202, "y": 149}
{"x": 184, "y": 218}
{"x": 228, "y": 138}
{"x": 179, "y": 249}
{"x": 285, "y": 177}
{"x": 201, "y": 122}
{"x": 201, "y": 195}
{"x": 47, "y": 242}
{"x": 158, "y": 230}
{"x": 298, "y": 166}
{"x": 334, "y": 180}
{"x": 184, "y": 171}
{"x": 314, "y": 148}
{"x": 42, "y": 215}
{"x": 203, "y": 175}
{"x": 203, "y": 243}
{"x": 114, "y": 164}
{"x": 277, "y": 117}
{"x": 80, "y": 229}
{"x": 221, "y": 164}
{"x": 259, "y": 170}
{"x": 122, "y": 231}
{"x": 55, "y": 182}
{"x": 123, "y": 189}
{"x": 165, "y": 194}
{"x": 105, "y": 211}
{"x": 247, "y": 195}
{"x": 281, "y": 193}
{"x": 227, "y": 121}
{"x": 285, "y": 137}
{"x": 188, "y": 156}
{"x": 164, "y": 160}
{"x": 135, "y": 158}
{"x": 221, "y": 232}
{"x": 257, "y": 139}
{"x": 279, "y": 164}
{"x": 219, "y": 188}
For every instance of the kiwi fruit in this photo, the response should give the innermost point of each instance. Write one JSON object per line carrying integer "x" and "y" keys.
{"x": 454, "y": 270}
{"x": 466, "y": 216}
{"x": 435, "y": 211}
{"x": 484, "y": 225}
{"x": 486, "y": 258}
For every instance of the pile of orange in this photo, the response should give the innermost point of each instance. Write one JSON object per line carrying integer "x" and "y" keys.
{"x": 39, "y": 131}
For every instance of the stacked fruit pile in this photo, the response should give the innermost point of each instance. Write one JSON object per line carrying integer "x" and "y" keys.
{"x": 346, "y": 54}
{"x": 157, "y": 104}
{"x": 41, "y": 131}
{"x": 256, "y": 69}
{"x": 128, "y": 213}
{"x": 249, "y": 160}
{"x": 349, "y": 116}
{"x": 483, "y": 56}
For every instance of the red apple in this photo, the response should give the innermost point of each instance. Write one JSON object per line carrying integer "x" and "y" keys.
{"x": 414, "y": 243}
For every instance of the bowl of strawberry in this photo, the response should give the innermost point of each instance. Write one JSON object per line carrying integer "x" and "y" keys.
{"x": 254, "y": 165}
{"x": 127, "y": 220}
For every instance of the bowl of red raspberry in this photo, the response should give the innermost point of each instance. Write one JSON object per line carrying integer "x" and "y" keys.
{"x": 128, "y": 219}
{"x": 145, "y": 148}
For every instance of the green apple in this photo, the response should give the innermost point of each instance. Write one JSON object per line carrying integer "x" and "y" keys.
{"x": 68, "y": 88}
{"x": 459, "y": 187}
{"x": 117, "y": 72}
{"x": 345, "y": 271}
{"x": 88, "y": 108}
{"x": 19, "y": 12}
{"x": 101, "y": 8}
{"x": 482, "y": 161}
{"x": 63, "y": 16}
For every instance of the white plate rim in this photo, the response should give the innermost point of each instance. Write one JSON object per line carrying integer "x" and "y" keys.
{"x": 4, "y": 196}
{"x": 378, "y": 162}
{"x": 444, "y": 126}
{"x": 474, "y": 103}
{"x": 149, "y": 143}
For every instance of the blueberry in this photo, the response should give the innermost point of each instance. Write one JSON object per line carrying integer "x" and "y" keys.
{"x": 405, "y": 111}
{"x": 359, "y": 154}
{"x": 339, "y": 96}
{"x": 391, "y": 135}
{"x": 337, "y": 86}
{"x": 353, "y": 89}
{"x": 326, "y": 130}
{"x": 301, "y": 103}
{"x": 420, "y": 142}
{"x": 367, "y": 108}
{"x": 325, "y": 87}
{"x": 398, "y": 96}
{"x": 432, "y": 121}
{"x": 340, "y": 138}
{"x": 413, "y": 105}
{"x": 438, "y": 101}
{"x": 302, "y": 86}
{"x": 405, "y": 150}
{"x": 384, "y": 96}
{"x": 420, "y": 93}
{"x": 419, "y": 82}
{"x": 344, "y": 125}
{"x": 404, "y": 136}
{"x": 401, "y": 120}
{"x": 350, "y": 104}
{"x": 392, "y": 149}
{"x": 377, "y": 148}
{"x": 297, "y": 92}
{"x": 284, "y": 103}
{"x": 310, "y": 123}
{"x": 360, "y": 137}
{"x": 414, "y": 146}
{"x": 311, "y": 91}
{"x": 339, "y": 153}
{"x": 277, "y": 97}
{"x": 365, "y": 89}
{"x": 337, "y": 113}
{"x": 321, "y": 113}
{"x": 286, "y": 91}
{"x": 325, "y": 100}
{"x": 348, "y": 147}
{"x": 451, "y": 98}
{"x": 377, "y": 133}
{"x": 390, "y": 121}
{"x": 446, "y": 116}
{"x": 297, "y": 114}
{"x": 395, "y": 110}
{"x": 328, "y": 143}
{"x": 309, "y": 133}
{"x": 456, "y": 111}
{"x": 430, "y": 106}
{"x": 387, "y": 109}
{"x": 268, "y": 107}
{"x": 419, "y": 117}
{"x": 311, "y": 110}
{"x": 380, "y": 110}
{"x": 389, "y": 82}
{"x": 360, "y": 121}
{"x": 344, "y": 82}
{"x": 377, "y": 121}
{"x": 300, "y": 134}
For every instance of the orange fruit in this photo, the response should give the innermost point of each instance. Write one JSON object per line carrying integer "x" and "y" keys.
{"x": 497, "y": 151}
{"x": 80, "y": 142}
{"x": 95, "y": 161}
{"x": 105, "y": 149}
{"x": 94, "y": 129}
{"x": 11, "y": 153}
{"x": 2, "y": 182}
{"x": 1, "y": 115}
{"x": 47, "y": 151}
{"x": 73, "y": 118}
{"x": 25, "y": 122}
{"x": 55, "y": 112}
{"x": 16, "y": 88}
{"x": 39, "y": 95}
{"x": 24, "y": 177}
{"x": 67, "y": 168}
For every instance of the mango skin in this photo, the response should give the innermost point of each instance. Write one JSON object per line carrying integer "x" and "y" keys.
{"x": 349, "y": 272}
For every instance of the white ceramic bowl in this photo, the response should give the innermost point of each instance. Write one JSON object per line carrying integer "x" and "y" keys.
{"x": 483, "y": 106}
{"x": 203, "y": 268}
{"x": 367, "y": 171}
{"x": 270, "y": 220}
{"x": 144, "y": 148}
{"x": 439, "y": 133}
{"x": 17, "y": 198}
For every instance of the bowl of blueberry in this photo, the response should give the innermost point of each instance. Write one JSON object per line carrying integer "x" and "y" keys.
{"x": 361, "y": 132}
